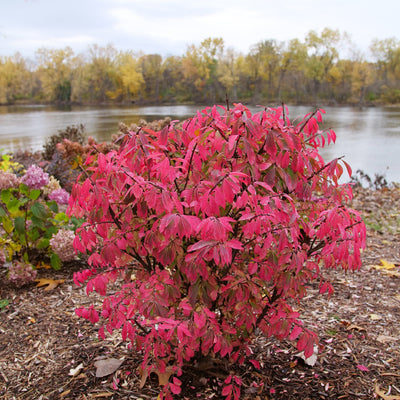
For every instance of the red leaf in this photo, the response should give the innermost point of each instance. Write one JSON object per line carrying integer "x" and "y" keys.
{"x": 201, "y": 244}
{"x": 301, "y": 344}
{"x": 227, "y": 390}
{"x": 199, "y": 319}
{"x": 309, "y": 350}
{"x": 252, "y": 268}
{"x": 163, "y": 138}
{"x": 255, "y": 363}
{"x": 295, "y": 333}
{"x": 175, "y": 386}
{"x": 349, "y": 171}
{"x": 270, "y": 143}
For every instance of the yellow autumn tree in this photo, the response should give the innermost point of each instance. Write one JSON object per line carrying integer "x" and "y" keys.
{"x": 55, "y": 73}
{"x": 128, "y": 77}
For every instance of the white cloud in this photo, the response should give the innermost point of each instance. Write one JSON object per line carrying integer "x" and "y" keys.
{"x": 168, "y": 26}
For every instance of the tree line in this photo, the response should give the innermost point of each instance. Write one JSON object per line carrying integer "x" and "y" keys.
{"x": 296, "y": 71}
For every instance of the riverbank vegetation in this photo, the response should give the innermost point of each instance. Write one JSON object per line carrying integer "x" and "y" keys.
{"x": 322, "y": 68}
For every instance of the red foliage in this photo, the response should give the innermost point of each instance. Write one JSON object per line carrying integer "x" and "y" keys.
{"x": 215, "y": 228}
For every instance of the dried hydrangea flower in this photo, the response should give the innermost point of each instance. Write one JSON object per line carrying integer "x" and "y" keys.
{"x": 20, "y": 273}
{"x": 35, "y": 177}
{"x": 62, "y": 244}
{"x": 60, "y": 196}
{"x": 53, "y": 185}
{"x": 8, "y": 180}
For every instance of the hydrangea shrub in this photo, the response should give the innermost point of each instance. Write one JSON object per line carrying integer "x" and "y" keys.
{"x": 216, "y": 228}
{"x": 29, "y": 218}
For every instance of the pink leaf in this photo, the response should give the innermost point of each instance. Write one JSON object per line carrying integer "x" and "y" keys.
{"x": 175, "y": 386}
{"x": 362, "y": 368}
{"x": 227, "y": 390}
{"x": 295, "y": 332}
{"x": 255, "y": 363}
{"x": 301, "y": 344}
{"x": 199, "y": 319}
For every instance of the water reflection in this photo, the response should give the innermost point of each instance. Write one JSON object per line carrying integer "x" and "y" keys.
{"x": 369, "y": 138}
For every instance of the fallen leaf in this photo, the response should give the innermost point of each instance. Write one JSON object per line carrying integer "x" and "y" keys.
{"x": 362, "y": 368}
{"x": 143, "y": 377}
{"x": 107, "y": 366}
{"x": 388, "y": 268}
{"x": 52, "y": 283}
{"x": 163, "y": 377}
{"x": 352, "y": 326}
{"x": 385, "y": 265}
{"x": 375, "y": 317}
{"x": 75, "y": 371}
{"x": 393, "y": 273}
{"x": 309, "y": 360}
{"x": 381, "y": 393}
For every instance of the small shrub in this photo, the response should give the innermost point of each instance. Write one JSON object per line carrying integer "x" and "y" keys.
{"x": 215, "y": 228}
{"x": 67, "y": 157}
{"x": 29, "y": 217}
{"x": 21, "y": 160}
{"x": 360, "y": 178}
{"x": 72, "y": 133}
{"x": 7, "y": 164}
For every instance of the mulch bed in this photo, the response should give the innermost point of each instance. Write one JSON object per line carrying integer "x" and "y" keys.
{"x": 47, "y": 352}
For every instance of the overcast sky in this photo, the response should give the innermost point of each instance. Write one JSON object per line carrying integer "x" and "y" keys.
{"x": 166, "y": 27}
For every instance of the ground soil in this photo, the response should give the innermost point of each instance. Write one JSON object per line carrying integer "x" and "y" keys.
{"x": 47, "y": 352}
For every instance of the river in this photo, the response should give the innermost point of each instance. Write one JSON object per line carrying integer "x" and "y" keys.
{"x": 368, "y": 138}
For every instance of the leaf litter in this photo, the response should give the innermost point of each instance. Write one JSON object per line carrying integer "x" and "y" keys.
{"x": 58, "y": 355}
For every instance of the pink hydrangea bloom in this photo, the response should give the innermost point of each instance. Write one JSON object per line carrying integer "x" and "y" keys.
{"x": 61, "y": 196}
{"x": 62, "y": 244}
{"x": 8, "y": 180}
{"x": 21, "y": 273}
{"x": 35, "y": 177}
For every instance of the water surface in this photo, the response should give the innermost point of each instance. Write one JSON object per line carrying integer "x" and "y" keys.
{"x": 369, "y": 138}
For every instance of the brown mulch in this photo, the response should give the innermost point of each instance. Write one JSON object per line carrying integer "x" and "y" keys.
{"x": 47, "y": 352}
